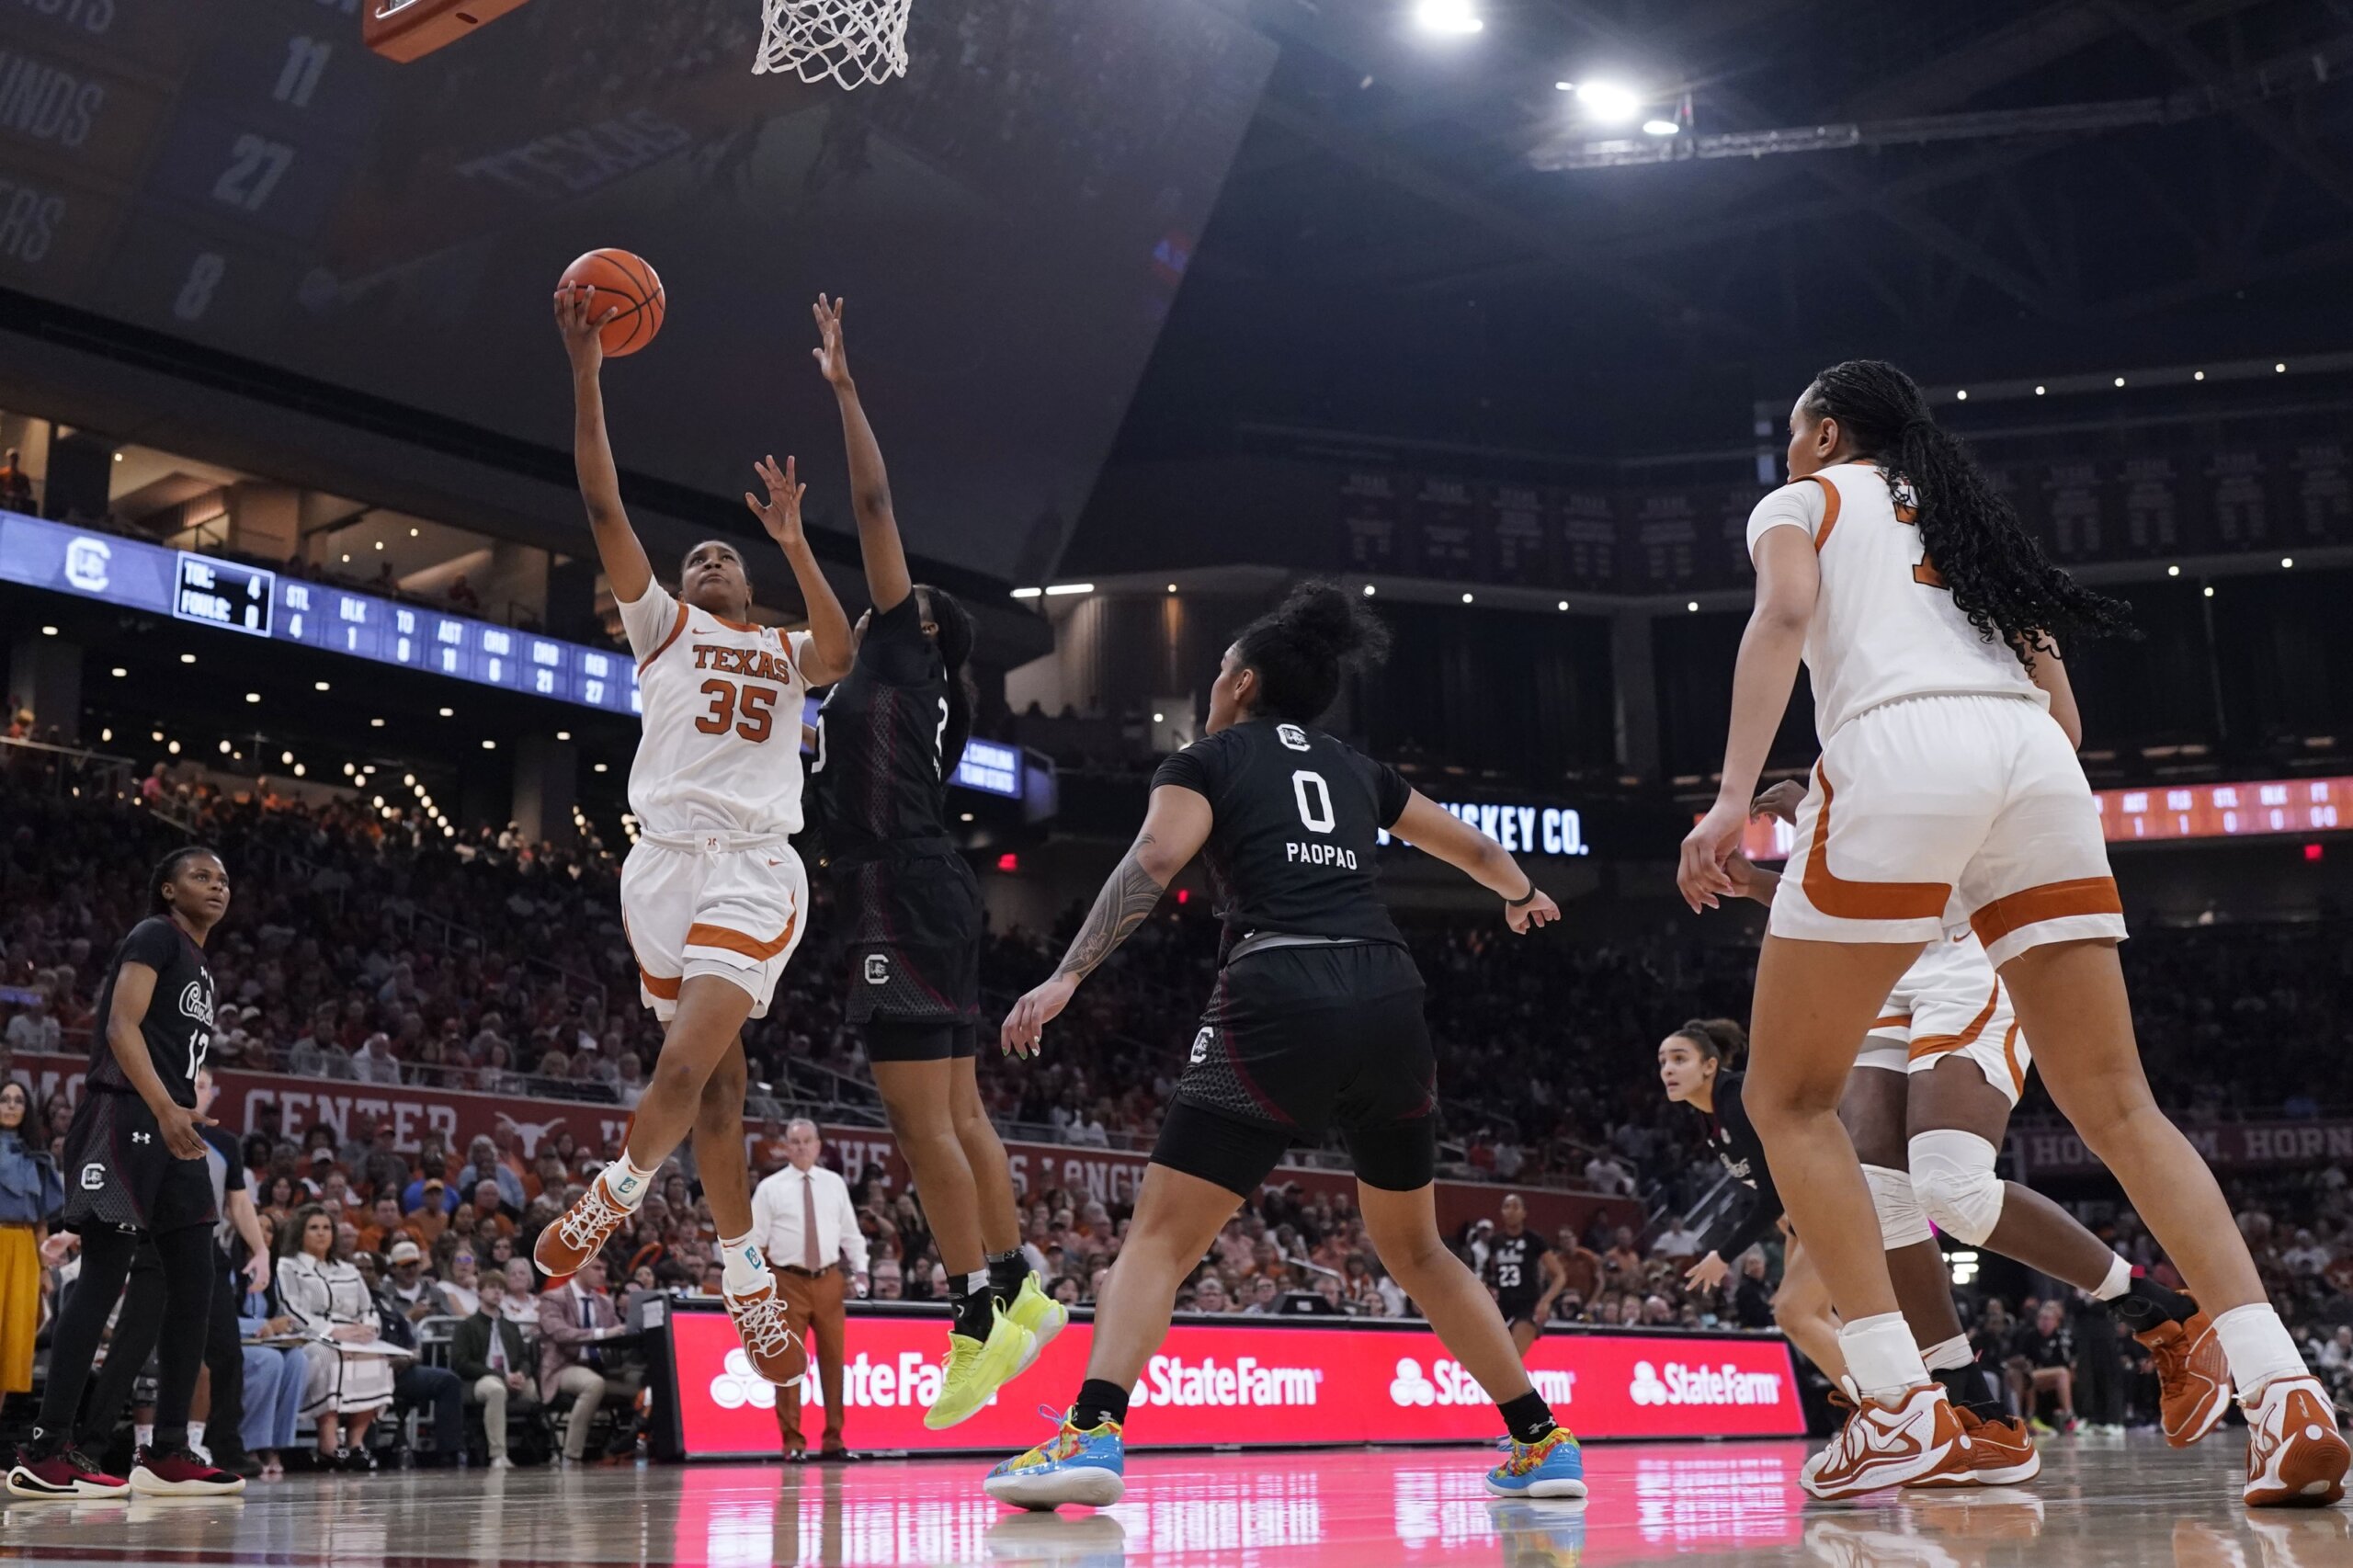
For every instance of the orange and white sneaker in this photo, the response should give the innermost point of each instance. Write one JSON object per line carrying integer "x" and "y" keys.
{"x": 1914, "y": 1439}
{"x": 2193, "y": 1378}
{"x": 581, "y": 1232}
{"x": 2001, "y": 1453}
{"x": 2295, "y": 1456}
{"x": 776, "y": 1352}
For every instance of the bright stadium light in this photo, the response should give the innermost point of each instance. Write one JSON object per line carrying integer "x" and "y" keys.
{"x": 1611, "y": 103}
{"x": 1454, "y": 17}
{"x": 1660, "y": 127}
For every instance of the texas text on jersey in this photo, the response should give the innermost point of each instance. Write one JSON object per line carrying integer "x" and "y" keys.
{"x": 1297, "y": 817}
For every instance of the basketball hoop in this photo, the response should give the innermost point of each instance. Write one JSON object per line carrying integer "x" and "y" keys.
{"x": 853, "y": 41}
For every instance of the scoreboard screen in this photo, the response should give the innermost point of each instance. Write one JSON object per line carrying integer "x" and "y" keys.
{"x": 235, "y": 596}
{"x": 2175, "y": 812}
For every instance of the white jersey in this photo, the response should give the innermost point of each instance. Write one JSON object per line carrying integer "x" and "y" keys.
{"x": 1885, "y": 626}
{"x": 721, "y": 706}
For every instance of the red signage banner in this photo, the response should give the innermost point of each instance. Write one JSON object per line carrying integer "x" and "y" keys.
{"x": 250, "y": 1100}
{"x": 2053, "y": 1149}
{"x": 1252, "y": 1381}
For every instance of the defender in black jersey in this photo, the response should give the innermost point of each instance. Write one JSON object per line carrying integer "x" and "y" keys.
{"x": 135, "y": 1171}
{"x": 1524, "y": 1272}
{"x": 1315, "y": 1026}
{"x": 888, "y": 739}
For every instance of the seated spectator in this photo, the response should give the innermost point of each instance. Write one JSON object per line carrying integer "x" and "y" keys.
{"x": 492, "y": 1361}
{"x": 385, "y": 1224}
{"x": 2043, "y": 1360}
{"x": 579, "y": 1356}
{"x": 416, "y": 1386}
{"x": 274, "y": 1380}
{"x": 520, "y": 1304}
{"x": 407, "y": 1292}
{"x": 460, "y": 1283}
{"x": 330, "y": 1302}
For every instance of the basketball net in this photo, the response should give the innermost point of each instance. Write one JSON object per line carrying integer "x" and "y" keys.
{"x": 853, "y": 41}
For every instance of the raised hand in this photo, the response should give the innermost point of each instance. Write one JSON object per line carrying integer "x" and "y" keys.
{"x": 833, "y": 359}
{"x": 780, "y": 513}
{"x": 582, "y": 322}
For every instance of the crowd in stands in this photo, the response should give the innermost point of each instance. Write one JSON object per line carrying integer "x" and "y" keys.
{"x": 363, "y": 949}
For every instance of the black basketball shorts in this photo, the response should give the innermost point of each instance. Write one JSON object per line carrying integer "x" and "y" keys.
{"x": 117, "y": 1171}
{"x": 1300, "y": 1040}
{"x": 913, "y": 954}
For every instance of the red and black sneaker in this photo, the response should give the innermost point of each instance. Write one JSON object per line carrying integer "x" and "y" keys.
{"x": 178, "y": 1472}
{"x": 63, "y": 1471}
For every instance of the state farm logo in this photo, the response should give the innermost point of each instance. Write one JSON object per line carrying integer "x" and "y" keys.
{"x": 737, "y": 1385}
{"x": 1446, "y": 1384}
{"x": 1680, "y": 1384}
{"x": 1248, "y": 1382}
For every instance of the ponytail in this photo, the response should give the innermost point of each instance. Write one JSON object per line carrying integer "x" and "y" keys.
{"x": 1720, "y": 1040}
{"x": 1996, "y": 570}
{"x": 1301, "y": 648}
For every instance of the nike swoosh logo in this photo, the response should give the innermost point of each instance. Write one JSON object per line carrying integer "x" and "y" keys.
{"x": 1884, "y": 1440}
{"x": 775, "y": 863}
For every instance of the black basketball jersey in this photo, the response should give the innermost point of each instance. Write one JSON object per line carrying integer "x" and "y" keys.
{"x": 1515, "y": 1264}
{"x": 879, "y": 776}
{"x": 178, "y": 1025}
{"x": 1297, "y": 818}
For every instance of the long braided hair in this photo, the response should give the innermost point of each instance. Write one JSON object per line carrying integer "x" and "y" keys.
{"x": 1998, "y": 575}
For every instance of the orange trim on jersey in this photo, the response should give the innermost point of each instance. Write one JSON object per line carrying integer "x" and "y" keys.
{"x": 2010, "y": 1056}
{"x": 734, "y": 625}
{"x": 2051, "y": 900}
{"x": 1938, "y": 1044}
{"x": 736, "y": 942}
{"x": 676, "y": 627}
{"x": 1893, "y": 1021}
{"x": 1843, "y": 900}
{"x": 657, "y": 985}
{"x": 1829, "y": 511}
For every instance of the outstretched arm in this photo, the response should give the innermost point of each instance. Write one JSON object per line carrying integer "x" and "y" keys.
{"x": 1176, "y": 826}
{"x": 831, "y": 646}
{"x": 579, "y": 320}
{"x": 870, "y": 487}
{"x": 1427, "y": 826}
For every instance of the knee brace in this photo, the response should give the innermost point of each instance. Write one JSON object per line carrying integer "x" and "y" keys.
{"x": 1900, "y": 1224}
{"x": 1952, "y": 1173}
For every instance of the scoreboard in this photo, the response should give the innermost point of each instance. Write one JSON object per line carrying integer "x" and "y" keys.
{"x": 235, "y": 596}
{"x": 2179, "y": 811}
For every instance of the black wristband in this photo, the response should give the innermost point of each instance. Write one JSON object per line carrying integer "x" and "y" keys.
{"x": 1524, "y": 901}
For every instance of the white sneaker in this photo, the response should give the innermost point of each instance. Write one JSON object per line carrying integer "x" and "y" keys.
{"x": 2295, "y": 1456}
{"x": 501, "y": 1462}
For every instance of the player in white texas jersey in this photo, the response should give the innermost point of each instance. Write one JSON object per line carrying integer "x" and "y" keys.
{"x": 712, "y": 895}
{"x": 1892, "y": 566}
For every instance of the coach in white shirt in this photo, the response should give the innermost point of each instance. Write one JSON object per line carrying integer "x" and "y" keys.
{"x": 806, "y": 1224}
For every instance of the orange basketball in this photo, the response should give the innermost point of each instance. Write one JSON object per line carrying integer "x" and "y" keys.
{"x": 621, "y": 279}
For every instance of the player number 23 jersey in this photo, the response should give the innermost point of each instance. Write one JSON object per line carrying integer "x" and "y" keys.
{"x": 722, "y": 703}
{"x": 1885, "y": 626}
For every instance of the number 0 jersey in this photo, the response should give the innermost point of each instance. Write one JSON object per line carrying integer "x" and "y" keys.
{"x": 1885, "y": 626}
{"x": 722, "y": 711}
{"x": 1298, "y": 816}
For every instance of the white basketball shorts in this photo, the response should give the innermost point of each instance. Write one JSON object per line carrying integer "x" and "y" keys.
{"x": 729, "y": 904}
{"x": 1950, "y": 1004}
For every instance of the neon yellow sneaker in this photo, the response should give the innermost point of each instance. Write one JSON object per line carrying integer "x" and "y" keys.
{"x": 972, "y": 1370}
{"x": 1039, "y": 1313}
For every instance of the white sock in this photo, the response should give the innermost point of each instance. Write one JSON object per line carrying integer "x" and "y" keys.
{"x": 144, "y": 1434}
{"x": 1881, "y": 1356}
{"x": 195, "y": 1435}
{"x": 1949, "y": 1355}
{"x": 2118, "y": 1280}
{"x": 2255, "y": 1343}
{"x": 745, "y": 1271}
{"x": 627, "y": 1183}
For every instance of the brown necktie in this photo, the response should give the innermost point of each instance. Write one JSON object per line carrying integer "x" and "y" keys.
{"x": 808, "y": 1259}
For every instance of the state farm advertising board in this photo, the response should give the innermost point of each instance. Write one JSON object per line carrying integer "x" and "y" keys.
{"x": 1259, "y": 1382}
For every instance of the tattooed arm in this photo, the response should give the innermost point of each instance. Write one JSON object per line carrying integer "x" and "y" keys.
{"x": 1174, "y": 828}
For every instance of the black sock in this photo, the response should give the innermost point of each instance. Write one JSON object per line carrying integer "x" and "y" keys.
{"x": 169, "y": 1439}
{"x": 1973, "y": 1388}
{"x": 1098, "y": 1402}
{"x": 1006, "y": 1271}
{"x": 2148, "y": 1304}
{"x": 975, "y": 1310}
{"x": 1528, "y": 1417}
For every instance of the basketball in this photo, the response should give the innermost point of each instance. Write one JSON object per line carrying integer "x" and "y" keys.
{"x": 620, "y": 278}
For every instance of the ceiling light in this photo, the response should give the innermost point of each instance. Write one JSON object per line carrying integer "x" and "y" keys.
{"x": 225, "y": 748}
{"x": 965, "y": 817}
{"x": 346, "y": 559}
{"x": 319, "y": 686}
{"x": 2038, "y": 391}
{"x": 298, "y": 770}
{"x": 1466, "y": 598}
{"x": 2173, "y": 571}
{"x": 1660, "y": 127}
{"x": 380, "y": 544}
{"x": 2210, "y": 590}
{"x": 119, "y": 672}
{"x": 285, "y": 756}
{"x": 106, "y": 734}
{"x": 1692, "y": 606}
{"x": 1962, "y": 395}
{"x": 173, "y": 748}
{"x": 1370, "y": 590}
{"x": 490, "y": 745}
{"x": 2197, "y": 375}
{"x": 117, "y": 457}
{"x": 563, "y": 734}
{"x": 187, "y": 658}
{"x": 1172, "y": 587}
{"x": 49, "y": 631}
{"x": 349, "y": 770}
{"x": 2120, "y": 380}
{"x": 600, "y": 767}
{"x": 253, "y": 697}
{"x": 1027, "y": 593}
{"x": 2286, "y": 562}
{"x": 1450, "y": 16}
{"x": 412, "y": 533}
{"x": 155, "y": 734}
{"x": 1060, "y": 589}
{"x": 2279, "y": 369}
{"x": 1611, "y": 103}
{"x": 447, "y": 712}
{"x": 375, "y": 723}
{"x": 1160, "y": 718}
{"x": 1565, "y": 604}
{"x": 409, "y": 779}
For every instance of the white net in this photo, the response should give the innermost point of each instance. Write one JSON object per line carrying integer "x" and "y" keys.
{"x": 853, "y": 41}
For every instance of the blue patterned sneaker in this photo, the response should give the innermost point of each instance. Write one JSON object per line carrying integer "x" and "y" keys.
{"x": 1552, "y": 1467}
{"x": 1087, "y": 1468}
